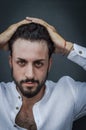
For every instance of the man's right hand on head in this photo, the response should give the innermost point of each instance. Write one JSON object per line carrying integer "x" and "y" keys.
{"x": 7, "y": 34}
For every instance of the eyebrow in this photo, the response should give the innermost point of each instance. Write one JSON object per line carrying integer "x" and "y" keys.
{"x": 21, "y": 59}
{"x": 26, "y": 60}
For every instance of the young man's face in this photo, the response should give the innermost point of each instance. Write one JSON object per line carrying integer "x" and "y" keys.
{"x": 30, "y": 64}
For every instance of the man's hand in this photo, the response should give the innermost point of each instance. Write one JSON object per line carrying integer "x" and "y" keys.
{"x": 61, "y": 45}
{"x": 7, "y": 34}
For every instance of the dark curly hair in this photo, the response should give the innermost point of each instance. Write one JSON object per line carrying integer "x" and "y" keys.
{"x": 32, "y": 31}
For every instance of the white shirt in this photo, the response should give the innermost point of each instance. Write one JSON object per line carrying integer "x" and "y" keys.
{"x": 62, "y": 103}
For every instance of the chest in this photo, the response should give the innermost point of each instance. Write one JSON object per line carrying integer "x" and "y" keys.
{"x": 25, "y": 119}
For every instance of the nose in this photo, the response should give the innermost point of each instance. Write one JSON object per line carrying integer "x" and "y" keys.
{"x": 29, "y": 72}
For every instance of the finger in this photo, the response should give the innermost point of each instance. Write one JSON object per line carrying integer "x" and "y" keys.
{"x": 23, "y": 22}
{"x": 40, "y": 21}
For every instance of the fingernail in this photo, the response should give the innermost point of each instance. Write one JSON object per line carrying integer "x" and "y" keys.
{"x": 27, "y": 17}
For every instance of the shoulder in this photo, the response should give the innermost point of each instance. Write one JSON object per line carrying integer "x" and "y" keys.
{"x": 64, "y": 82}
{"x": 63, "y": 79}
{"x": 6, "y": 86}
{"x": 77, "y": 88}
{"x": 69, "y": 82}
{"x": 66, "y": 78}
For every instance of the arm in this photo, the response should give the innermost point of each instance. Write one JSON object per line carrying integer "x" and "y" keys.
{"x": 75, "y": 52}
{"x": 7, "y": 34}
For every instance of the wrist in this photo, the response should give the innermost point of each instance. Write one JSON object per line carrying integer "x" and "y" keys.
{"x": 68, "y": 47}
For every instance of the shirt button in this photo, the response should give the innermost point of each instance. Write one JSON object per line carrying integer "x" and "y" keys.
{"x": 19, "y": 97}
{"x": 17, "y": 108}
{"x": 14, "y": 125}
{"x": 80, "y": 52}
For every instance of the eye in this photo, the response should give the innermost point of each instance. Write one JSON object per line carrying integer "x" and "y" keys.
{"x": 21, "y": 63}
{"x": 38, "y": 64}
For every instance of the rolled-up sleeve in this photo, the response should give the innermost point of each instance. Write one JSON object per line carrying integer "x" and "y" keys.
{"x": 78, "y": 55}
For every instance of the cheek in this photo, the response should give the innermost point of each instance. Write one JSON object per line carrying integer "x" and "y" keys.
{"x": 42, "y": 73}
{"x": 17, "y": 72}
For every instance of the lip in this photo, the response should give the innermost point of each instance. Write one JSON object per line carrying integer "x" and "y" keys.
{"x": 29, "y": 83}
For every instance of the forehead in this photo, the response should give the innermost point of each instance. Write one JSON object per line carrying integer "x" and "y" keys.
{"x": 30, "y": 49}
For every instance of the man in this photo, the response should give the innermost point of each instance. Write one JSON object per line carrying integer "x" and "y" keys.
{"x": 31, "y": 101}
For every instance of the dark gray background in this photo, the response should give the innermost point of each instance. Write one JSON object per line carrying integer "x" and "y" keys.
{"x": 69, "y": 18}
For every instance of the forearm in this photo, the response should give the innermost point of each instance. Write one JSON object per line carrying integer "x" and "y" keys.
{"x": 7, "y": 34}
{"x": 3, "y": 40}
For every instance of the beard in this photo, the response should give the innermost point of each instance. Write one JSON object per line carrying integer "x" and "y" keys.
{"x": 27, "y": 91}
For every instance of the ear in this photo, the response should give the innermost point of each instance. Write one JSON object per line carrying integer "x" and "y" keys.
{"x": 50, "y": 63}
{"x": 10, "y": 61}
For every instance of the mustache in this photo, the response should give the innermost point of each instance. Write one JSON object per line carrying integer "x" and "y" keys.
{"x": 29, "y": 80}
